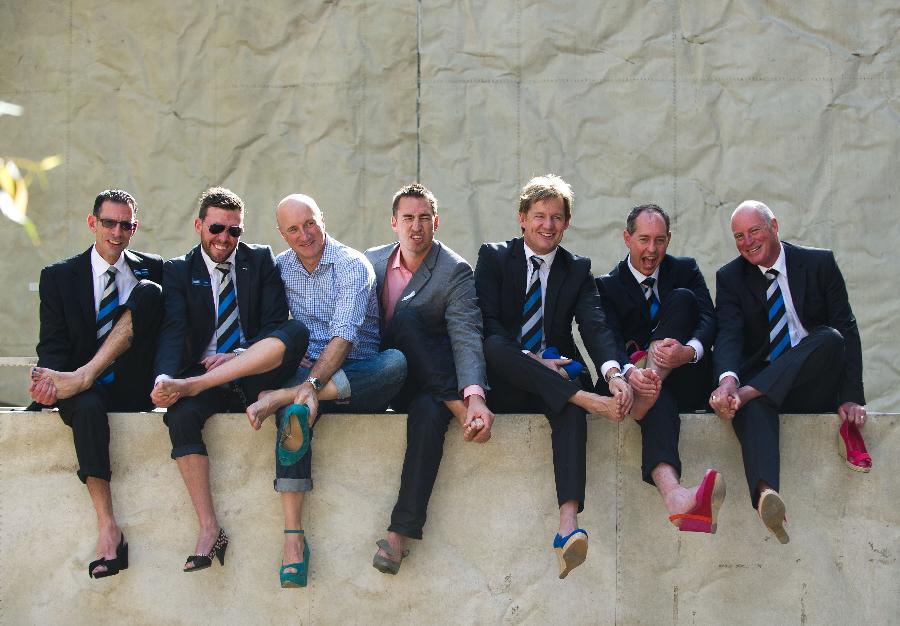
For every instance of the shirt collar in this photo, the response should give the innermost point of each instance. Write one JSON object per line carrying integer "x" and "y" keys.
{"x": 547, "y": 258}
{"x": 780, "y": 263}
{"x": 99, "y": 264}
{"x": 211, "y": 265}
{"x": 639, "y": 276}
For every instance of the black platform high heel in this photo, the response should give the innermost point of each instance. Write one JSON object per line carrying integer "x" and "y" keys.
{"x": 202, "y": 561}
{"x": 113, "y": 566}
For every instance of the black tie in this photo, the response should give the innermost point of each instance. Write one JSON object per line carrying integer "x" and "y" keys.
{"x": 228, "y": 324}
{"x": 532, "y": 311}
{"x": 106, "y": 317}
{"x": 779, "y": 337}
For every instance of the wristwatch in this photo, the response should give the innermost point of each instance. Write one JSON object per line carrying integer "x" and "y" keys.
{"x": 315, "y": 382}
{"x": 616, "y": 375}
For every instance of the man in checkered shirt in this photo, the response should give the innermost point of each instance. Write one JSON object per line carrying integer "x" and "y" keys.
{"x": 331, "y": 289}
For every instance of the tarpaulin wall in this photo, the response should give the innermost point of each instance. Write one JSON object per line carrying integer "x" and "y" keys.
{"x": 692, "y": 105}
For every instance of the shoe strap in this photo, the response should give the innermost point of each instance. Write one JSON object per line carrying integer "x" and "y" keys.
{"x": 391, "y": 552}
{"x": 290, "y": 531}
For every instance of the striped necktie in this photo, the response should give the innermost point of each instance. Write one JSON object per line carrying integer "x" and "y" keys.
{"x": 779, "y": 337}
{"x": 106, "y": 317}
{"x": 228, "y": 324}
{"x": 532, "y": 311}
{"x": 650, "y": 296}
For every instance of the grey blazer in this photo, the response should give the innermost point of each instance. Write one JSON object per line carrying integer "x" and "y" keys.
{"x": 442, "y": 292}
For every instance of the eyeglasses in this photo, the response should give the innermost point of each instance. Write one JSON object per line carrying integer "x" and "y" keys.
{"x": 124, "y": 224}
{"x": 234, "y": 231}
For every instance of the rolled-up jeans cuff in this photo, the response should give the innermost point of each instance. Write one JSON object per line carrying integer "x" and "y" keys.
{"x": 190, "y": 448}
{"x": 340, "y": 380}
{"x": 293, "y": 485}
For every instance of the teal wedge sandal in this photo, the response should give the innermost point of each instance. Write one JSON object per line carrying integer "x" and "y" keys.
{"x": 291, "y": 580}
{"x": 293, "y": 434}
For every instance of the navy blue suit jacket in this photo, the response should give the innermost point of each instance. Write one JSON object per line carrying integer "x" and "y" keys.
{"x": 190, "y": 320}
{"x": 820, "y": 297}
{"x": 571, "y": 294}
{"x": 68, "y": 334}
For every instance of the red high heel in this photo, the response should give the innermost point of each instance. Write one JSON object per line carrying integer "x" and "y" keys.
{"x": 702, "y": 518}
{"x": 852, "y": 448}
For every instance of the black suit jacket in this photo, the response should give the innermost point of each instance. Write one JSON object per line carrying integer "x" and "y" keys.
{"x": 68, "y": 335}
{"x": 571, "y": 294}
{"x": 190, "y": 320}
{"x": 626, "y": 308}
{"x": 819, "y": 295}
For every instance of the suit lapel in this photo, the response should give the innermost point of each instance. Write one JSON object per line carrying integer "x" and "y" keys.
{"x": 796, "y": 278}
{"x": 555, "y": 280}
{"x": 241, "y": 268}
{"x": 84, "y": 284}
{"x": 515, "y": 267}
{"x": 633, "y": 289}
{"x": 666, "y": 279}
{"x": 201, "y": 289}
{"x": 419, "y": 279}
{"x": 757, "y": 282}
{"x": 381, "y": 267}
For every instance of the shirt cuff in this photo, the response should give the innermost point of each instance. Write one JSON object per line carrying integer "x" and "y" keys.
{"x": 476, "y": 390}
{"x": 161, "y": 377}
{"x": 724, "y": 374}
{"x": 697, "y": 346}
{"x": 607, "y": 366}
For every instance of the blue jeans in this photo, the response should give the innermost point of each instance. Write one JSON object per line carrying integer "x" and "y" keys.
{"x": 365, "y": 386}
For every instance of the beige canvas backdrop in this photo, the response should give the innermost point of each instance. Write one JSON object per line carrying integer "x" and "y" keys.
{"x": 692, "y": 105}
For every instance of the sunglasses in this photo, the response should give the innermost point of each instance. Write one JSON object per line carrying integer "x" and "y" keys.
{"x": 110, "y": 224}
{"x": 234, "y": 231}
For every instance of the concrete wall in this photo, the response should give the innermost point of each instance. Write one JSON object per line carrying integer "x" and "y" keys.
{"x": 486, "y": 556}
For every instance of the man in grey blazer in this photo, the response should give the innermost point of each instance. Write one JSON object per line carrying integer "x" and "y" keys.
{"x": 426, "y": 295}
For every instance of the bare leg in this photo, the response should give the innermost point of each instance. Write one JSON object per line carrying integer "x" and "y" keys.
{"x": 109, "y": 533}
{"x": 194, "y": 470}
{"x": 605, "y": 406}
{"x": 676, "y": 498}
{"x": 271, "y": 400}
{"x": 117, "y": 342}
{"x": 261, "y": 357}
{"x": 292, "y": 552}
{"x": 568, "y": 517}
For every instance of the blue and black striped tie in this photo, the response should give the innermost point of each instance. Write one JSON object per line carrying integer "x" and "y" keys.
{"x": 779, "y": 337}
{"x": 650, "y": 295}
{"x": 533, "y": 310}
{"x": 228, "y": 323}
{"x": 106, "y": 317}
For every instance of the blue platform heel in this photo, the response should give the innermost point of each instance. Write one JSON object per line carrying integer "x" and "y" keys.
{"x": 571, "y": 550}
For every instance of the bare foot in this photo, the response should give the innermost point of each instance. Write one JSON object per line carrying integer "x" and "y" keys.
{"x": 107, "y": 541}
{"x": 67, "y": 384}
{"x": 181, "y": 387}
{"x": 604, "y": 406}
{"x": 267, "y": 403}
{"x": 205, "y": 543}
{"x": 642, "y": 404}
{"x": 292, "y": 551}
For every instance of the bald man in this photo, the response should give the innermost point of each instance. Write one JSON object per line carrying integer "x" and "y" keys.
{"x": 787, "y": 342}
{"x": 330, "y": 287}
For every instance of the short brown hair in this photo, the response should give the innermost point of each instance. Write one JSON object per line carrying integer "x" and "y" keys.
{"x": 414, "y": 190}
{"x": 546, "y": 187}
{"x": 118, "y": 196}
{"x": 220, "y": 198}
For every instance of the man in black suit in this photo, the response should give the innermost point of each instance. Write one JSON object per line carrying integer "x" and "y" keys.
{"x": 99, "y": 317}
{"x": 226, "y": 332}
{"x": 529, "y": 290}
{"x": 658, "y": 304}
{"x": 787, "y": 341}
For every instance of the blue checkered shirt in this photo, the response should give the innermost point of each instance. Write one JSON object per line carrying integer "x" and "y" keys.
{"x": 338, "y": 299}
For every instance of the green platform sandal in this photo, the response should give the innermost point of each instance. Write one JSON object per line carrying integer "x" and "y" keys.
{"x": 289, "y": 580}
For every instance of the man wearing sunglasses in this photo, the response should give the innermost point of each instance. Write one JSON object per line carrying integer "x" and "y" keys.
{"x": 225, "y": 337}
{"x": 99, "y": 316}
